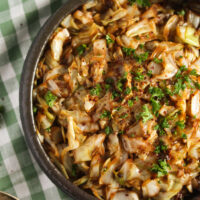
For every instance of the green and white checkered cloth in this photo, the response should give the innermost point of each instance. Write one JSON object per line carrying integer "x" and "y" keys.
{"x": 20, "y": 20}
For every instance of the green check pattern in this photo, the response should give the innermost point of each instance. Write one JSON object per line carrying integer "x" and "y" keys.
{"x": 20, "y": 20}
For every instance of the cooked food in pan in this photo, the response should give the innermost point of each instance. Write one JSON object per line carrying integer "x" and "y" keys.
{"x": 117, "y": 99}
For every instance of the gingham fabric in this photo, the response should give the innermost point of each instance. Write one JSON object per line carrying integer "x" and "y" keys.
{"x": 20, "y": 20}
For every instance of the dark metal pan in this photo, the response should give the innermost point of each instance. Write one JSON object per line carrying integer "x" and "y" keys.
{"x": 25, "y": 99}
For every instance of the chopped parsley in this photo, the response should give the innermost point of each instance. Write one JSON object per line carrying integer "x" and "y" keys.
{"x": 149, "y": 73}
{"x": 193, "y": 72}
{"x": 138, "y": 76}
{"x": 180, "y": 124}
{"x": 145, "y": 114}
{"x": 50, "y": 98}
{"x": 156, "y": 95}
{"x": 121, "y": 132}
{"x": 184, "y": 136}
{"x": 96, "y": 91}
{"x": 34, "y": 110}
{"x": 124, "y": 116}
{"x": 106, "y": 114}
{"x": 127, "y": 90}
{"x": 141, "y": 46}
{"x": 81, "y": 49}
{"x": 142, "y": 3}
{"x": 160, "y": 148}
{"x": 181, "y": 12}
{"x": 179, "y": 85}
{"x": 130, "y": 103}
{"x": 115, "y": 94}
{"x": 181, "y": 69}
{"x": 108, "y": 130}
{"x": 109, "y": 40}
{"x": 161, "y": 168}
{"x": 163, "y": 123}
{"x": 140, "y": 58}
{"x": 156, "y": 60}
{"x": 128, "y": 51}
{"x": 48, "y": 129}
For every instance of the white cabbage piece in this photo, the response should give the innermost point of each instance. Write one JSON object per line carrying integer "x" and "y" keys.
{"x": 84, "y": 18}
{"x": 150, "y": 188}
{"x": 112, "y": 16}
{"x": 194, "y": 105}
{"x": 129, "y": 170}
{"x": 187, "y": 34}
{"x": 193, "y": 19}
{"x": 170, "y": 67}
{"x": 141, "y": 27}
{"x": 170, "y": 26}
{"x": 122, "y": 195}
{"x": 95, "y": 166}
{"x": 194, "y": 151}
{"x": 61, "y": 35}
{"x": 93, "y": 143}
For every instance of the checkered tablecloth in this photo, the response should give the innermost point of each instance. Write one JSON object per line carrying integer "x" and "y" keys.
{"x": 20, "y": 20}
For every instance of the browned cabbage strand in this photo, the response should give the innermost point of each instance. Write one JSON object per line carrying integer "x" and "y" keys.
{"x": 117, "y": 99}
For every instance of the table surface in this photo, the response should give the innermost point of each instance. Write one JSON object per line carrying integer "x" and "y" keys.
{"x": 20, "y": 20}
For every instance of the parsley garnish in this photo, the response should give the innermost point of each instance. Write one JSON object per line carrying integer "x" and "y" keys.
{"x": 96, "y": 90}
{"x": 130, "y": 103}
{"x": 81, "y": 49}
{"x": 108, "y": 130}
{"x": 161, "y": 168}
{"x": 138, "y": 76}
{"x": 106, "y": 114}
{"x": 128, "y": 91}
{"x": 184, "y": 136}
{"x": 115, "y": 94}
{"x": 128, "y": 51}
{"x": 180, "y": 124}
{"x": 34, "y": 110}
{"x": 149, "y": 73}
{"x": 179, "y": 85}
{"x": 109, "y": 40}
{"x": 146, "y": 114}
{"x": 142, "y": 3}
{"x": 181, "y": 12}
{"x": 124, "y": 116}
{"x": 181, "y": 69}
{"x": 160, "y": 148}
{"x": 50, "y": 98}
{"x": 163, "y": 123}
{"x": 193, "y": 72}
{"x": 156, "y": 94}
{"x": 156, "y": 60}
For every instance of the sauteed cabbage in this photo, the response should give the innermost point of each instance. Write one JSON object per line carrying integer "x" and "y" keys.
{"x": 117, "y": 99}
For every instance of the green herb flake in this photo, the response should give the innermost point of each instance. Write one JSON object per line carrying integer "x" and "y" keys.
{"x": 180, "y": 124}
{"x": 124, "y": 116}
{"x": 127, "y": 90}
{"x": 184, "y": 136}
{"x": 96, "y": 91}
{"x": 115, "y": 94}
{"x": 146, "y": 114}
{"x": 106, "y": 114}
{"x": 121, "y": 132}
{"x": 138, "y": 76}
{"x": 130, "y": 103}
{"x": 48, "y": 129}
{"x": 109, "y": 40}
{"x": 181, "y": 12}
{"x": 141, "y": 57}
{"x": 50, "y": 98}
{"x": 128, "y": 51}
{"x": 141, "y": 46}
{"x": 181, "y": 69}
{"x": 161, "y": 168}
{"x": 142, "y": 3}
{"x": 81, "y": 49}
{"x": 34, "y": 109}
{"x": 158, "y": 61}
{"x": 160, "y": 148}
{"x": 108, "y": 130}
{"x": 149, "y": 73}
{"x": 193, "y": 72}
